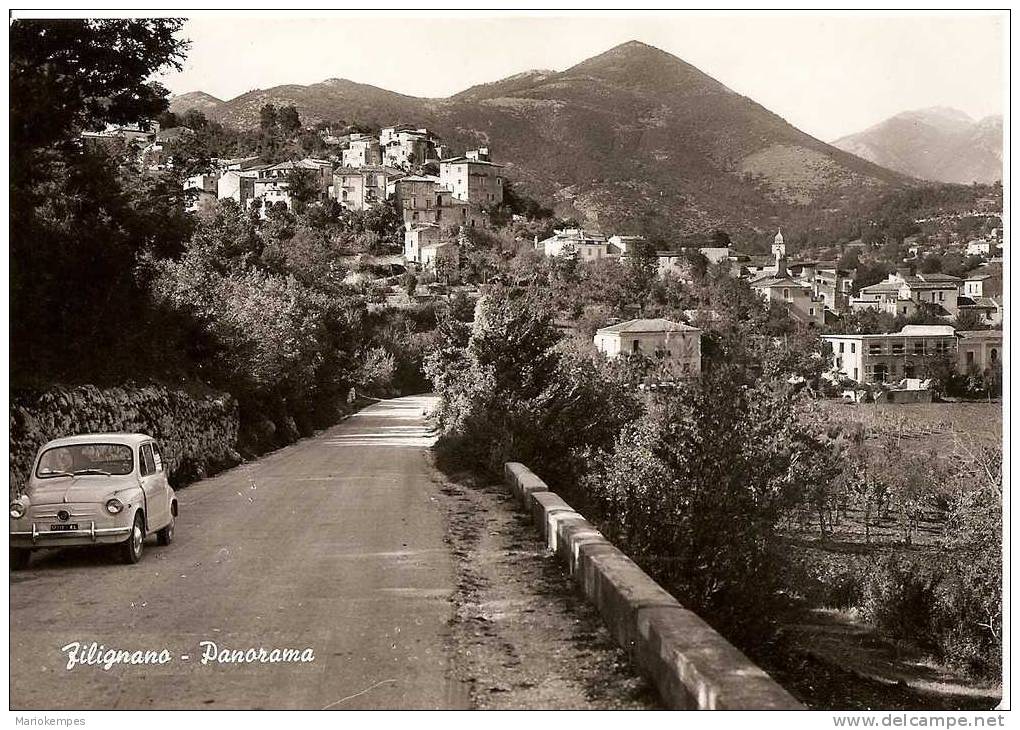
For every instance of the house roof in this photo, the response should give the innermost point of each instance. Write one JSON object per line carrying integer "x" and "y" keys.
{"x": 907, "y": 331}
{"x": 577, "y": 235}
{"x": 986, "y": 335}
{"x": 368, "y": 168}
{"x": 420, "y": 178}
{"x": 462, "y": 160}
{"x": 977, "y": 277}
{"x": 647, "y": 325}
{"x": 768, "y": 282}
{"x": 927, "y": 329}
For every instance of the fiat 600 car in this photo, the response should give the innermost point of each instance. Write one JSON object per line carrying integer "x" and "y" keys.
{"x": 94, "y": 489}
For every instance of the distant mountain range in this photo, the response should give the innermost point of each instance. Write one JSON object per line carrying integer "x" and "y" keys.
{"x": 939, "y": 144}
{"x": 632, "y": 140}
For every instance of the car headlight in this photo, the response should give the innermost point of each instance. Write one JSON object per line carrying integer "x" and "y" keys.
{"x": 113, "y": 506}
{"x": 17, "y": 510}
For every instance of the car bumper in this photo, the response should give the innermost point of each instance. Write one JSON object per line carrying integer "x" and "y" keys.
{"x": 40, "y": 535}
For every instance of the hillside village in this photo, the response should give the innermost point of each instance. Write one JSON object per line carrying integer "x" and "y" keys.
{"x": 439, "y": 197}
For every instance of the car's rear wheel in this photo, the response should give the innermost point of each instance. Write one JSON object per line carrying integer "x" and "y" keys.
{"x": 20, "y": 558}
{"x": 166, "y": 535}
{"x": 131, "y": 549}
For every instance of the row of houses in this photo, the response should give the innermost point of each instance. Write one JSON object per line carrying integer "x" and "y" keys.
{"x": 809, "y": 290}
{"x": 904, "y": 293}
{"x": 914, "y": 354}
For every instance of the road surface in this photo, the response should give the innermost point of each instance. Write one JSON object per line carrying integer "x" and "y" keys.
{"x": 334, "y": 544}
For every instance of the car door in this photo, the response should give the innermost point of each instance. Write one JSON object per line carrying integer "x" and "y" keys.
{"x": 156, "y": 505}
{"x": 162, "y": 471}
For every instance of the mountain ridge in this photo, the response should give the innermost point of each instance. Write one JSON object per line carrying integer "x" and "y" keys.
{"x": 941, "y": 144}
{"x": 634, "y": 138}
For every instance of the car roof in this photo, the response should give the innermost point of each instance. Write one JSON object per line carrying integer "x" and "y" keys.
{"x": 126, "y": 439}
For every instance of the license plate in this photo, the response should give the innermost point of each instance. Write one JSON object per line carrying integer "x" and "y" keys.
{"x": 63, "y": 528}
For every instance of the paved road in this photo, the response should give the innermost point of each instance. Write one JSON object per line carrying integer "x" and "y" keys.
{"x": 334, "y": 544}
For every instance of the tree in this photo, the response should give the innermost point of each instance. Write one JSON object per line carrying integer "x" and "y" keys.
{"x": 168, "y": 120}
{"x": 79, "y": 218}
{"x": 69, "y": 75}
{"x": 721, "y": 239}
{"x": 968, "y": 319}
{"x": 694, "y": 491}
{"x": 268, "y": 118}
{"x": 195, "y": 120}
{"x": 288, "y": 119}
{"x": 303, "y": 186}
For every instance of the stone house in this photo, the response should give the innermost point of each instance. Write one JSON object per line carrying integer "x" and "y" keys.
{"x": 475, "y": 181}
{"x": 680, "y": 344}
{"x": 362, "y": 151}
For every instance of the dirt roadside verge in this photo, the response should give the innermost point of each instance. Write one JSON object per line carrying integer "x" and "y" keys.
{"x": 521, "y": 636}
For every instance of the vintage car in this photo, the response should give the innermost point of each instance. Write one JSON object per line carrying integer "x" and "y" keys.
{"x": 94, "y": 489}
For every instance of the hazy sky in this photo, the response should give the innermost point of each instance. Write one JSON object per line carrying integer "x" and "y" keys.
{"x": 828, "y": 74}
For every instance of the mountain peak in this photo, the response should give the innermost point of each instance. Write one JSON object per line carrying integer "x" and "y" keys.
{"x": 642, "y": 67}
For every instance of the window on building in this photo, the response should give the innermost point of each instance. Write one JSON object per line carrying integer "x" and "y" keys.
{"x": 970, "y": 357}
{"x": 841, "y": 347}
{"x": 853, "y": 347}
{"x": 786, "y": 293}
{"x": 811, "y": 311}
{"x": 919, "y": 348}
{"x": 875, "y": 348}
{"x": 635, "y": 346}
{"x": 897, "y": 348}
{"x": 994, "y": 354}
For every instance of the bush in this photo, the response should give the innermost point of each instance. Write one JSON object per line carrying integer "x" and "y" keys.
{"x": 511, "y": 391}
{"x": 694, "y": 491}
{"x": 952, "y": 607}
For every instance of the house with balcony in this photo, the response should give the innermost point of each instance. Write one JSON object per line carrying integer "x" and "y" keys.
{"x": 913, "y": 352}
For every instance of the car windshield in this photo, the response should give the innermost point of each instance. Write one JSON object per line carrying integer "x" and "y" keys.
{"x": 85, "y": 459}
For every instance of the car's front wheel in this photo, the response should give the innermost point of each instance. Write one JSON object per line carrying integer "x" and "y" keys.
{"x": 166, "y": 535}
{"x": 131, "y": 549}
{"x": 20, "y": 558}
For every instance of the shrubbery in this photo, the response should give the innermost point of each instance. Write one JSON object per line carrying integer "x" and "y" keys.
{"x": 511, "y": 390}
{"x": 694, "y": 491}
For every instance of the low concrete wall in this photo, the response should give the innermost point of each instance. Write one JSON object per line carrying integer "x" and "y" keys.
{"x": 692, "y": 666}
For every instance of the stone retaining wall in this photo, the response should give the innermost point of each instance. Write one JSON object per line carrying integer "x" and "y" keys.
{"x": 691, "y": 664}
{"x": 198, "y": 434}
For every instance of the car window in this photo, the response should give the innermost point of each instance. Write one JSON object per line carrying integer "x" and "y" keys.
{"x": 147, "y": 462}
{"x": 157, "y": 456}
{"x": 103, "y": 458}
